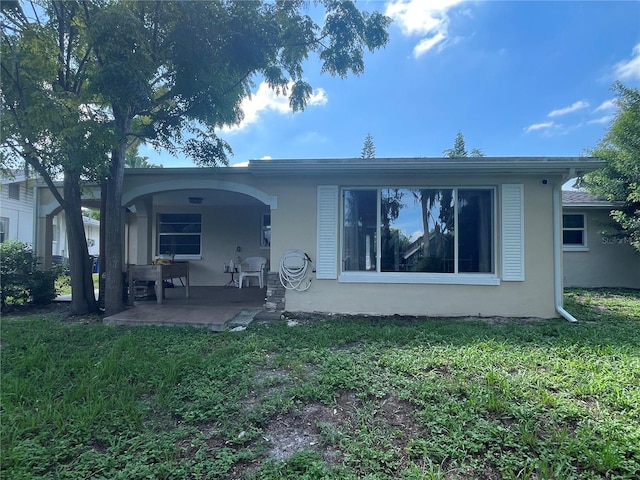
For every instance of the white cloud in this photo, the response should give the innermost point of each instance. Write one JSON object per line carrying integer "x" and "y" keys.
{"x": 427, "y": 44}
{"x": 427, "y": 19}
{"x": 246, "y": 162}
{"x": 605, "y": 119}
{"x": 539, "y": 126}
{"x": 266, "y": 99}
{"x": 571, "y": 108}
{"x": 606, "y": 106}
{"x": 629, "y": 69}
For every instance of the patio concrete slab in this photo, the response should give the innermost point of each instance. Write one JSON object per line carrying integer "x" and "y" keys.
{"x": 215, "y": 308}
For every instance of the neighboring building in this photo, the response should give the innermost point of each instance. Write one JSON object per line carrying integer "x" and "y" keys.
{"x": 60, "y": 245}
{"x": 408, "y": 236}
{"x": 16, "y": 209}
{"x": 17, "y": 222}
{"x": 591, "y": 257}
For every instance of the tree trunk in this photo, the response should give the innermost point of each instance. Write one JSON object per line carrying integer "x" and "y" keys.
{"x": 425, "y": 202}
{"x": 114, "y": 265}
{"x": 103, "y": 241}
{"x": 114, "y": 284}
{"x": 83, "y": 299}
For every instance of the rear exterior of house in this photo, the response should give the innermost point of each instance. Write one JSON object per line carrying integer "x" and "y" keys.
{"x": 417, "y": 236}
{"x": 490, "y": 232}
{"x": 592, "y": 258}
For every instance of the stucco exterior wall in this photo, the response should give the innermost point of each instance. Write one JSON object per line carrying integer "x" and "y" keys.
{"x": 224, "y": 229}
{"x": 604, "y": 263}
{"x": 294, "y": 226}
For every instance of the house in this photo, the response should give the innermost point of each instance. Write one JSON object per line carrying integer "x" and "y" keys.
{"x": 591, "y": 257}
{"x": 408, "y": 236}
{"x": 18, "y": 196}
{"x": 16, "y": 208}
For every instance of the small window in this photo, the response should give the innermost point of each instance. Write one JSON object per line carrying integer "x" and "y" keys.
{"x": 4, "y": 228}
{"x": 179, "y": 233}
{"x": 573, "y": 230}
{"x": 14, "y": 191}
{"x": 265, "y": 231}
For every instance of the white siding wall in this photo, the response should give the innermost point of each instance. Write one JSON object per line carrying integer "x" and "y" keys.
{"x": 19, "y": 212}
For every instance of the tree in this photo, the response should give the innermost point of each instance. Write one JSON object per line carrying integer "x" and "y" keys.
{"x": 368, "y": 149}
{"x": 49, "y": 121}
{"x": 171, "y": 73}
{"x": 159, "y": 87}
{"x": 133, "y": 160}
{"x": 619, "y": 180}
{"x": 460, "y": 150}
{"x": 440, "y": 201}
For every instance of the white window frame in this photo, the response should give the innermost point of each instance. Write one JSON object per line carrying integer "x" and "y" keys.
{"x": 180, "y": 256}
{"x": 417, "y": 277}
{"x": 584, "y": 247}
{"x": 14, "y": 191}
{"x": 4, "y": 229}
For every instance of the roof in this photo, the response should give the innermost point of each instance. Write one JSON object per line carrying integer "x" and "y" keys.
{"x": 571, "y": 166}
{"x": 565, "y": 166}
{"x": 575, "y": 198}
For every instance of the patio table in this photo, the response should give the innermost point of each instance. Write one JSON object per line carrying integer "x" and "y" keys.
{"x": 158, "y": 273}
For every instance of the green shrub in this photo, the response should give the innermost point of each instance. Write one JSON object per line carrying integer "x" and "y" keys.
{"x": 20, "y": 279}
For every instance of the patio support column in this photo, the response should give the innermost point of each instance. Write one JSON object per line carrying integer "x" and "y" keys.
{"x": 141, "y": 236}
{"x": 48, "y": 242}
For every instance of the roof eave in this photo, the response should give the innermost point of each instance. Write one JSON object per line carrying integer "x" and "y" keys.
{"x": 475, "y": 165}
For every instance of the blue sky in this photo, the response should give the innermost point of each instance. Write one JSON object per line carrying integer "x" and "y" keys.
{"x": 516, "y": 78}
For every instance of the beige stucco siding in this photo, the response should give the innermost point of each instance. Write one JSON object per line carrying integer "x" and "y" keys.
{"x": 294, "y": 226}
{"x": 224, "y": 229}
{"x": 604, "y": 262}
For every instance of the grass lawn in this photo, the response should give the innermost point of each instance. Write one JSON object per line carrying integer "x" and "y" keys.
{"x": 330, "y": 398}
{"x": 63, "y": 284}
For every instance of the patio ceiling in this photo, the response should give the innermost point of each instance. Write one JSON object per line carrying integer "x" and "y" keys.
{"x": 210, "y": 197}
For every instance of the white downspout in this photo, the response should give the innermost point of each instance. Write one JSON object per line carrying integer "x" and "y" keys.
{"x": 557, "y": 248}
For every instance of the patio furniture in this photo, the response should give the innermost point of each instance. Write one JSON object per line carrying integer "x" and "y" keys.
{"x": 252, "y": 267}
{"x": 231, "y": 269}
{"x": 158, "y": 273}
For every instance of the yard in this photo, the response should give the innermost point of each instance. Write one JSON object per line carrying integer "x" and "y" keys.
{"x": 327, "y": 398}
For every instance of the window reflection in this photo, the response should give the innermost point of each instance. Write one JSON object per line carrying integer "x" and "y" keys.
{"x": 359, "y": 238}
{"x": 410, "y": 213}
{"x": 436, "y": 230}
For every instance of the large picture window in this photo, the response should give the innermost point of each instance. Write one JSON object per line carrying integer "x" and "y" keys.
{"x": 179, "y": 233}
{"x": 432, "y": 230}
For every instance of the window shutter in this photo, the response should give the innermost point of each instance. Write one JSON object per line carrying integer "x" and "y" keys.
{"x": 327, "y": 249}
{"x": 513, "y": 232}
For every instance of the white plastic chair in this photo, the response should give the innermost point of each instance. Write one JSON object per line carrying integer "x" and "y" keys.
{"x": 252, "y": 267}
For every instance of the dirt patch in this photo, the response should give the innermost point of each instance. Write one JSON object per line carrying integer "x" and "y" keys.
{"x": 309, "y": 428}
{"x": 317, "y": 426}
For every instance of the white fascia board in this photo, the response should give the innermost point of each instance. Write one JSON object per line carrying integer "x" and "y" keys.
{"x": 467, "y": 165}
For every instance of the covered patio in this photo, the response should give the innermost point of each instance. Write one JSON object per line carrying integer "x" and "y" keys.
{"x": 214, "y": 308}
